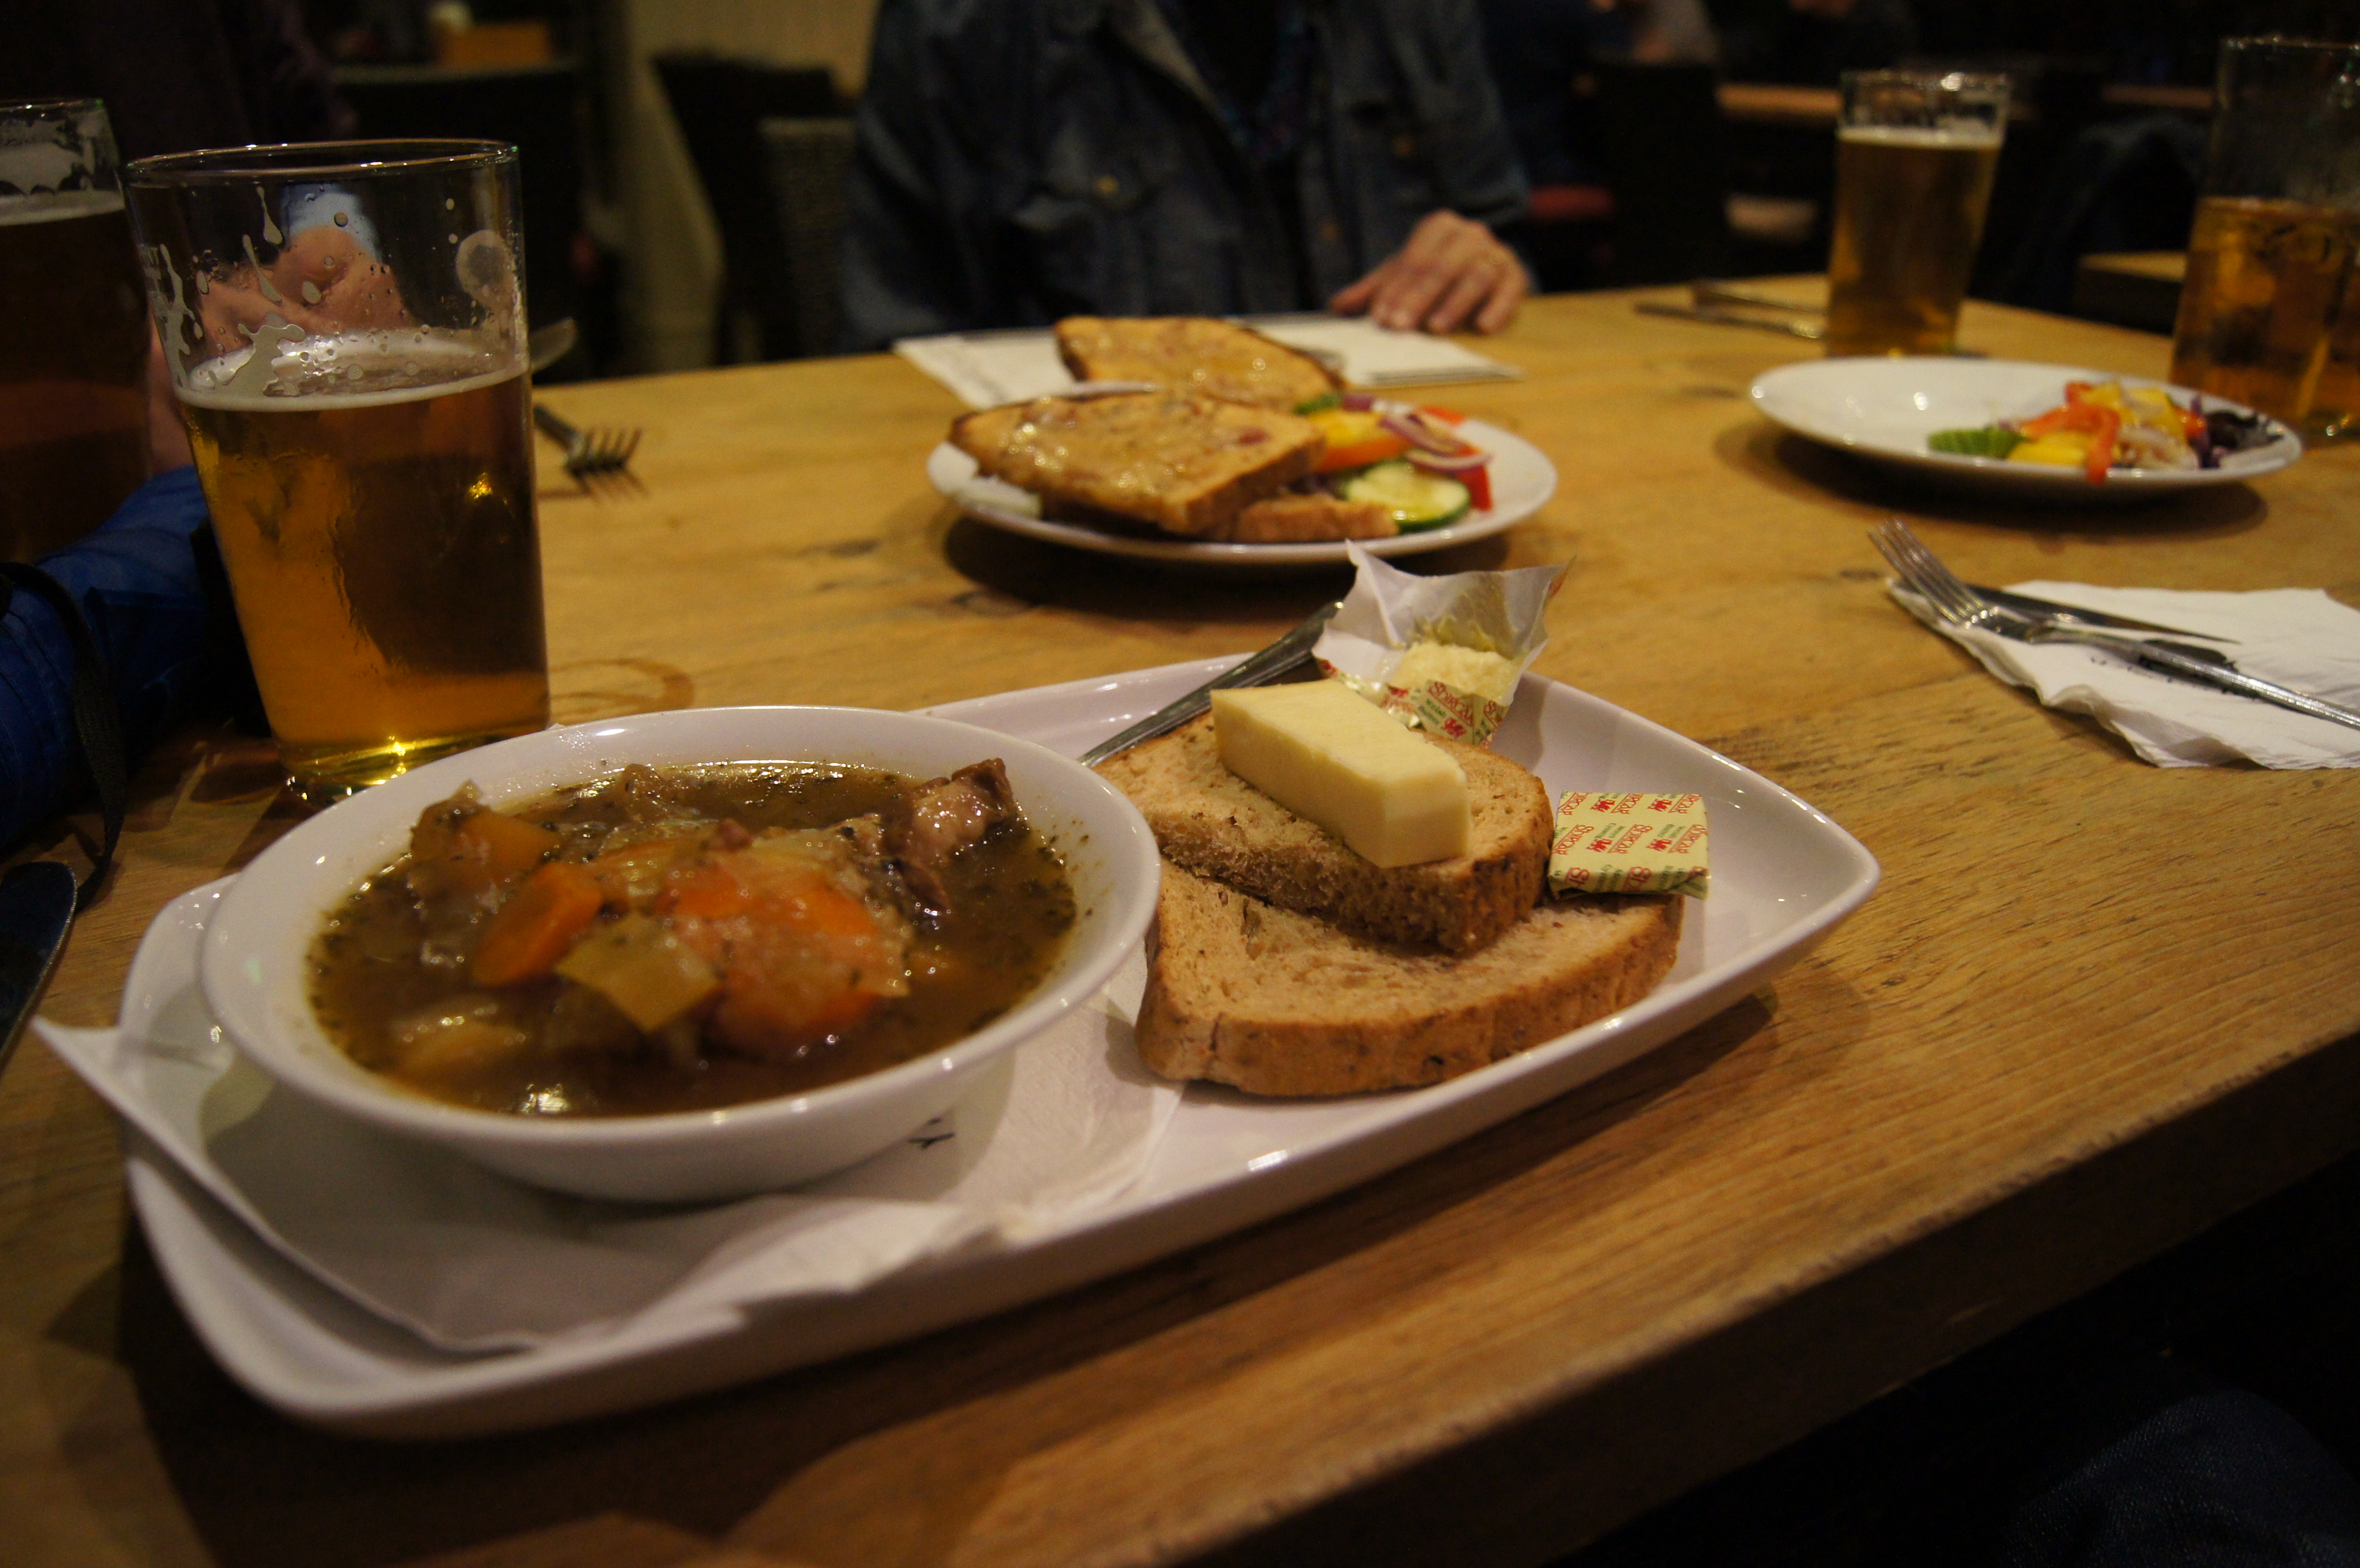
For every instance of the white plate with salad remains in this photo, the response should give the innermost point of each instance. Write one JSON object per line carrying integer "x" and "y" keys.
{"x": 1515, "y": 482}
{"x": 2036, "y": 433}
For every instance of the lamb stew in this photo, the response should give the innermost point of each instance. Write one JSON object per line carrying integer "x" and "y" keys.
{"x": 685, "y": 938}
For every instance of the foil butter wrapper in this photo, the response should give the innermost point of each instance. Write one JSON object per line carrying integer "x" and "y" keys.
{"x": 1392, "y": 614}
{"x": 1628, "y": 843}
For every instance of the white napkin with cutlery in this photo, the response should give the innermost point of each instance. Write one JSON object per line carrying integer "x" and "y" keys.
{"x": 2296, "y": 636}
{"x": 469, "y": 1260}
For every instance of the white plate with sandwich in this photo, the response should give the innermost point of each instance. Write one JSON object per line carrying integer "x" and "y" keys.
{"x": 1884, "y": 410}
{"x": 1523, "y": 480}
{"x": 1782, "y": 877}
{"x": 1186, "y": 438}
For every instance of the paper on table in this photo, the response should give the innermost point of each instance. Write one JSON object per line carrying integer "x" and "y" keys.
{"x": 1372, "y": 356}
{"x": 2296, "y": 636}
{"x": 986, "y": 369}
{"x": 469, "y": 1260}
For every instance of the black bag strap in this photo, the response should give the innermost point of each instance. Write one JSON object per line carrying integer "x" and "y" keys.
{"x": 98, "y": 725}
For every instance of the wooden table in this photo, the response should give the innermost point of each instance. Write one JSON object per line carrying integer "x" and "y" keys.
{"x": 2095, "y": 1007}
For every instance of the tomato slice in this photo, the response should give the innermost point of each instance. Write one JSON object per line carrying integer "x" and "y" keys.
{"x": 1479, "y": 486}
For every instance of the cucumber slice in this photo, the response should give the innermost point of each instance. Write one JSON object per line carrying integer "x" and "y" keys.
{"x": 1988, "y": 441}
{"x": 1417, "y": 500}
{"x": 1321, "y": 403}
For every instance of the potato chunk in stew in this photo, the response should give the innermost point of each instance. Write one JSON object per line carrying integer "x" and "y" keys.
{"x": 678, "y": 939}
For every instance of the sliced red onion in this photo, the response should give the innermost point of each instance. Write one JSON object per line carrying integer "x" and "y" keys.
{"x": 1421, "y": 435}
{"x": 1450, "y": 462}
{"x": 1358, "y": 402}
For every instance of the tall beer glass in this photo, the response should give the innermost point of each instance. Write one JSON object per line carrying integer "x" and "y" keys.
{"x": 73, "y": 330}
{"x": 345, "y": 327}
{"x": 1915, "y": 156}
{"x": 2270, "y": 313}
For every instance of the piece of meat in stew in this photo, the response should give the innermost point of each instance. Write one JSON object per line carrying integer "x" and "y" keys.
{"x": 678, "y": 939}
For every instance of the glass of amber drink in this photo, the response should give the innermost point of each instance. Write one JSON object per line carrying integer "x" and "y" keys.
{"x": 346, "y": 329}
{"x": 73, "y": 329}
{"x": 2270, "y": 313}
{"x": 1915, "y": 156}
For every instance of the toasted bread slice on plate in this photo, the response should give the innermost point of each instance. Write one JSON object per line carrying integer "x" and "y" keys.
{"x": 1189, "y": 465}
{"x": 1307, "y": 518}
{"x": 1214, "y": 823}
{"x": 1193, "y": 353}
{"x": 1275, "y": 1002}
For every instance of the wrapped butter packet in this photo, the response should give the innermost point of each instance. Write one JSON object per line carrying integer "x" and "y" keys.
{"x": 1628, "y": 843}
{"x": 1441, "y": 653}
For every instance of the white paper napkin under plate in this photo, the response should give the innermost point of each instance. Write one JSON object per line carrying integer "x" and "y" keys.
{"x": 470, "y": 1261}
{"x": 989, "y": 368}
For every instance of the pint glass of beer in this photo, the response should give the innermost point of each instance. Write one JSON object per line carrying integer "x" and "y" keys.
{"x": 2270, "y": 313}
{"x": 73, "y": 330}
{"x": 1915, "y": 156}
{"x": 345, "y": 327}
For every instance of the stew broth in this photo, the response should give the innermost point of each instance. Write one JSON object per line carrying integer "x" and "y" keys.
{"x": 389, "y": 968}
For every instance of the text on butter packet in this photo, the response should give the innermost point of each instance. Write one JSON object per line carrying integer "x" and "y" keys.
{"x": 1628, "y": 843}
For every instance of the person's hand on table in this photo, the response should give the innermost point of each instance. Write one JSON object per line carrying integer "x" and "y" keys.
{"x": 1454, "y": 273}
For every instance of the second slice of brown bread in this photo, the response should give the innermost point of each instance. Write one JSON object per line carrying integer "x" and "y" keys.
{"x": 1214, "y": 823}
{"x": 1274, "y": 1002}
{"x": 1189, "y": 465}
{"x": 1193, "y": 353}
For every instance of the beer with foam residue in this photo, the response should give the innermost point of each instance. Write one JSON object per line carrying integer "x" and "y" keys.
{"x": 1909, "y": 212}
{"x": 374, "y": 501}
{"x": 73, "y": 362}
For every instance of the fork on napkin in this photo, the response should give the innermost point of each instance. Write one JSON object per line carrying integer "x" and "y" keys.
{"x": 2298, "y": 636}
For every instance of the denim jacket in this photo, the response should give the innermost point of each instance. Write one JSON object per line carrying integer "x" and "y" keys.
{"x": 1020, "y": 160}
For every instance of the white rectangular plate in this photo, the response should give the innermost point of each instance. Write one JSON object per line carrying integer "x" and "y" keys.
{"x": 1782, "y": 876}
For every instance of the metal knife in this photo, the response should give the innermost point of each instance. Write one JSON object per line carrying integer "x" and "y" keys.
{"x": 36, "y": 905}
{"x": 1707, "y": 291}
{"x": 1731, "y": 318}
{"x": 1280, "y": 659}
{"x": 2032, "y": 606}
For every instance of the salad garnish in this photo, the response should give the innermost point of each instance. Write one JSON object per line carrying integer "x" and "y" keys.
{"x": 2103, "y": 426}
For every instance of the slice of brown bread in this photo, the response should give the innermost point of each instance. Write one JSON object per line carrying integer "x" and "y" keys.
{"x": 1307, "y": 519}
{"x": 1193, "y": 353}
{"x": 1215, "y": 824}
{"x": 1274, "y": 1002}
{"x": 1186, "y": 464}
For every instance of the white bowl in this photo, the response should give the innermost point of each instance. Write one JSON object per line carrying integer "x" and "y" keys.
{"x": 254, "y": 966}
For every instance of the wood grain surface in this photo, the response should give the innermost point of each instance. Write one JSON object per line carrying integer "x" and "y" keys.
{"x": 2095, "y": 1007}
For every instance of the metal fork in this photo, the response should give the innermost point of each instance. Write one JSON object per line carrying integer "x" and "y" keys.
{"x": 1960, "y": 606}
{"x": 1271, "y": 665}
{"x": 588, "y": 451}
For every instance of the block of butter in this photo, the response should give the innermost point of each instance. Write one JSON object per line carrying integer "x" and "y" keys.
{"x": 1325, "y": 753}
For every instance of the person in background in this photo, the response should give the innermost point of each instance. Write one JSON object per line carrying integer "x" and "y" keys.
{"x": 1538, "y": 49}
{"x": 176, "y": 75}
{"x": 147, "y": 587}
{"x": 1019, "y": 162}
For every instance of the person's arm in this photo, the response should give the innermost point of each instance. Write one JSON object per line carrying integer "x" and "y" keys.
{"x": 1454, "y": 271}
{"x": 901, "y": 275}
{"x": 288, "y": 90}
